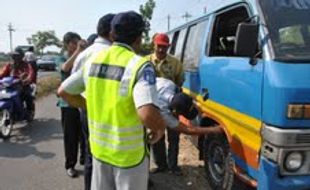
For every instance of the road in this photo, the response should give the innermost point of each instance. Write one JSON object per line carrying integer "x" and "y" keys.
{"x": 33, "y": 158}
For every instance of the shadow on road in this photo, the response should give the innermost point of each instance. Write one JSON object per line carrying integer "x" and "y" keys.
{"x": 25, "y": 138}
{"x": 193, "y": 178}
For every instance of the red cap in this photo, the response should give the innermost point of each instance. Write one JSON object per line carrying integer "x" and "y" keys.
{"x": 161, "y": 39}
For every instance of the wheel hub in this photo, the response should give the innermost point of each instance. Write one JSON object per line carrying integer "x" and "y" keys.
{"x": 217, "y": 162}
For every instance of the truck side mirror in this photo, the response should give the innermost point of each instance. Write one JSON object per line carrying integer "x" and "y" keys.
{"x": 246, "y": 40}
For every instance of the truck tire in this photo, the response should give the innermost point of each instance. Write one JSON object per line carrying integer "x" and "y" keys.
{"x": 218, "y": 161}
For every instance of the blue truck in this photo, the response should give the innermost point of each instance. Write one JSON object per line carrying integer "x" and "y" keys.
{"x": 252, "y": 60}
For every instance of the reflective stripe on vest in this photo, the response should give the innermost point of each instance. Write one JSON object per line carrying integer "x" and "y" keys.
{"x": 116, "y": 133}
{"x": 112, "y": 146}
{"x": 127, "y": 75}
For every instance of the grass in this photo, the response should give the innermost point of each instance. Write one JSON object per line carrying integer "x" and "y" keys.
{"x": 47, "y": 85}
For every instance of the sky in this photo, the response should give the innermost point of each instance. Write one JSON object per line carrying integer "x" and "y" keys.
{"x": 81, "y": 16}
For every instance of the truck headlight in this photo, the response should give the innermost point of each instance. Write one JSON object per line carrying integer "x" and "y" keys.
{"x": 293, "y": 161}
{"x": 298, "y": 111}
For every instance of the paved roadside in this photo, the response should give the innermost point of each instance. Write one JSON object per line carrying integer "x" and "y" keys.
{"x": 33, "y": 158}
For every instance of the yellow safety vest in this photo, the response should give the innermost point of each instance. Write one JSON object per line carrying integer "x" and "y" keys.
{"x": 116, "y": 134}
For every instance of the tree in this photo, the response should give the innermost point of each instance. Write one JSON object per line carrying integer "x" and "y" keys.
{"x": 146, "y": 11}
{"x": 43, "y": 39}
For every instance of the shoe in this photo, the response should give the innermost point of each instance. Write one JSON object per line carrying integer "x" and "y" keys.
{"x": 176, "y": 171}
{"x": 82, "y": 161}
{"x": 150, "y": 183}
{"x": 158, "y": 170}
{"x": 72, "y": 172}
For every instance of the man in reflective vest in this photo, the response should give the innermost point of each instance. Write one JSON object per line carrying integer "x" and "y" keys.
{"x": 117, "y": 111}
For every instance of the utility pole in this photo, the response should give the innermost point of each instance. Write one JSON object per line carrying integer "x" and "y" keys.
{"x": 186, "y": 16}
{"x": 11, "y": 30}
{"x": 168, "y": 22}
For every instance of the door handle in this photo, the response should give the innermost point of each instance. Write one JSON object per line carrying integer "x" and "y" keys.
{"x": 205, "y": 94}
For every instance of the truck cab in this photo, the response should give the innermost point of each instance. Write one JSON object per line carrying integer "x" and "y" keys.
{"x": 251, "y": 59}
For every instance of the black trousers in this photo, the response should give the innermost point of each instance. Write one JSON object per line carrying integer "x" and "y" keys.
{"x": 71, "y": 124}
{"x": 88, "y": 166}
{"x": 159, "y": 150}
{"x": 27, "y": 97}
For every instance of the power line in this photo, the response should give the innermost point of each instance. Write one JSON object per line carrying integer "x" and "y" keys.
{"x": 168, "y": 20}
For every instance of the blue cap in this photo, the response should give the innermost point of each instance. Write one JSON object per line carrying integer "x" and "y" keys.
{"x": 91, "y": 39}
{"x": 127, "y": 23}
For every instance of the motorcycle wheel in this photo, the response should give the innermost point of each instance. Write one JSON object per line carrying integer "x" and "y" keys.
{"x": 6, "y": 124}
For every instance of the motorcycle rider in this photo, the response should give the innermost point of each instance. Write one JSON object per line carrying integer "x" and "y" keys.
{"x": 23, "y": 71}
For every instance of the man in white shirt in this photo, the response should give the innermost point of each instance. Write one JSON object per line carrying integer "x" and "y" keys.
{"x": 103, "y": 41}
{"x": 32, "y": 60}
{"x": 173, "y": 103}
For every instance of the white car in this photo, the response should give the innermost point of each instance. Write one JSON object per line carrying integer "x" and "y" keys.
{"x": 47, "y": 62}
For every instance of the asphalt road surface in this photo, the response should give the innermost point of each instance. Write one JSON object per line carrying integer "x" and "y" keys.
{"x": 33, "y": 158}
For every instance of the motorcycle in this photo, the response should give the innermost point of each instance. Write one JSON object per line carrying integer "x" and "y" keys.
{"x": 13, "y": 107}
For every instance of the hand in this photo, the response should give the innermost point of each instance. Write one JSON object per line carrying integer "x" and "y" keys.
{"x": 23, "y": 76}
{"x": 82, "y": 44}
{"x": 155, "y": 136}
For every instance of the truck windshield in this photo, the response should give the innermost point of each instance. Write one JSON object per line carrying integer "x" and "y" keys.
{"x": 288, "y": 23}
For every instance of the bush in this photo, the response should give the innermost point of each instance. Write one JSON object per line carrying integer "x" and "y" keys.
{"x": 47, "y": 85}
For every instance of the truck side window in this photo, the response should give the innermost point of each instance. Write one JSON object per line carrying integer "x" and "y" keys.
{"x": 224, "y": 31}
{"x": 174, "y": 42}
{"x": 193, "y": 45}
{"x": 180, "y": 44}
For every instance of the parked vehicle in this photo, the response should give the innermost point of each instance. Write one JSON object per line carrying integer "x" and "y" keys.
{"x": 12, "y": 108}
{"x": 47, "y": 62}
{"x": 252, "y": 59}
{"x": 25, "y": 48}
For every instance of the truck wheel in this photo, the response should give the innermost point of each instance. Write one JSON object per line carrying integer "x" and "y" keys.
{"x": 6, "y": 124}
{"x": 218, "y": 162}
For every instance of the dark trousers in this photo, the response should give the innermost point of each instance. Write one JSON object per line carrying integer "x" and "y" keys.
{"x": 88, "y": 166}
{"x": 159, "y": 150}
{"x": 70, "y": 119}
{"x": 28, "y": 98}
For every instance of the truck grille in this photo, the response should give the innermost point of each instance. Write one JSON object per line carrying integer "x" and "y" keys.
{"x": 303, "y": 138}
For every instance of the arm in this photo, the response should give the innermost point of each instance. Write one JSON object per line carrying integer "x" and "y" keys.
{"x": 152, "y": 120}
{"x": 67, "y": 66}
{"x": 197, "y": 130}
{"x": 5, "y": 71}
{"x": 76, "y": 101}
{"x": 71, "y": 89}
{"x": 30, "y": 76}
{"x": 181, "y": 126}
{"x": 145, "y": 98}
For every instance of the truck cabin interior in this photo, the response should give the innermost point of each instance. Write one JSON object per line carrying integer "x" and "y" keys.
{"x": 224, "y": 31}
